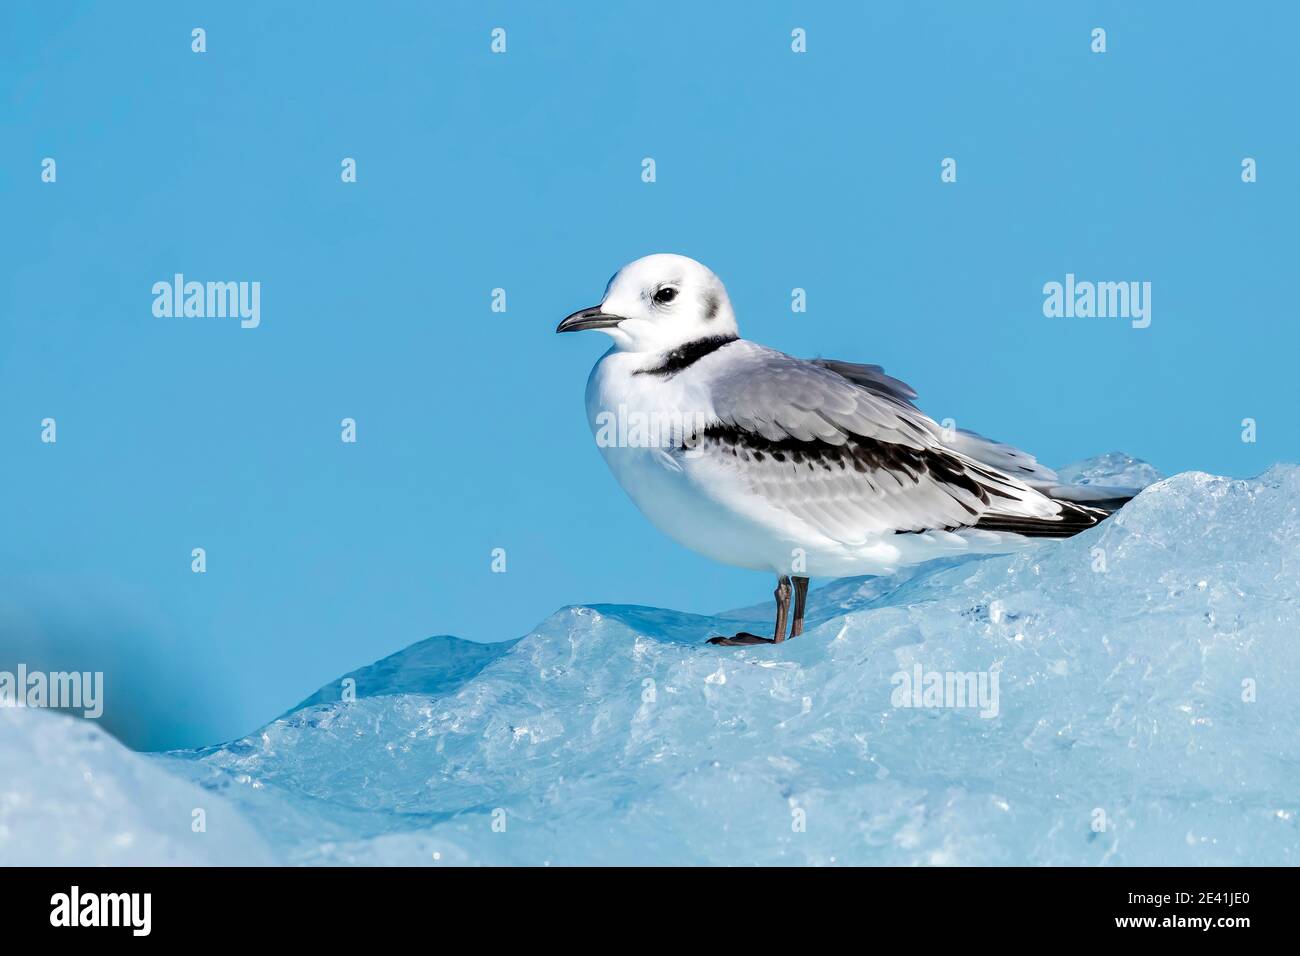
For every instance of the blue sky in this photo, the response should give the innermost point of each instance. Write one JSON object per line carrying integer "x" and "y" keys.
{"x": 523, "y": 171}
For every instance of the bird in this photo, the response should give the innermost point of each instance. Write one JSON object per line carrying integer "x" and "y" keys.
{"x": 796, "y": 467}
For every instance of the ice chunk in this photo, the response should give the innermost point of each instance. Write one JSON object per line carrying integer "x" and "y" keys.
{"x": 72, "y": 795}
{"x": 1114, "y": 469}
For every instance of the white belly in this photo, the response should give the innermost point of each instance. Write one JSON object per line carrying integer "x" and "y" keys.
{"x": 683, "y": 510}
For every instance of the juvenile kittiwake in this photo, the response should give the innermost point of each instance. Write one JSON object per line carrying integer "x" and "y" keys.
{"x": 802, "y": 468}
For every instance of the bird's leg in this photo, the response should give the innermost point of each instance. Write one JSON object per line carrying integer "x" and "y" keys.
{"x": 800, "y": 598}
{"x": 782, "y": 611}
{"x": 782, "y": 594}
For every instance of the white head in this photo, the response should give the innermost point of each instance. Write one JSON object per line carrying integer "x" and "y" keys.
{"x": 658, "y": 303}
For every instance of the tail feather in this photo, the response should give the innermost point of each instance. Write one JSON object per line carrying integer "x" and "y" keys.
{"x": 1073, "y": 517}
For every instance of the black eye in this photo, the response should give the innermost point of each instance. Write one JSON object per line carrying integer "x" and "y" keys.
{"x": 665, "y": 295}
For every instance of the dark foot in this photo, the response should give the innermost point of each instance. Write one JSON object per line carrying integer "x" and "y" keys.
{"x": 744, "y": 637}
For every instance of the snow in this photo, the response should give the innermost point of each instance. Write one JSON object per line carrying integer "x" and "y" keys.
{"x": 1145, "y": 714}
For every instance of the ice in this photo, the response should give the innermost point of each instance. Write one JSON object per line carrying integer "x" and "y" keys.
{"x": 1115, "y": 469}
{"x": 72, "y": 795}
{"x": 1146, "y": 714}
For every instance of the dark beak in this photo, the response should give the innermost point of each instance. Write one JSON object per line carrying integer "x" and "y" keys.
{"x": 591, "y": 318}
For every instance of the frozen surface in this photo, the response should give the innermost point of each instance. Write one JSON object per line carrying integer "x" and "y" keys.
{"x": 1147, "y": 713}
{"x": 72, "y": 795}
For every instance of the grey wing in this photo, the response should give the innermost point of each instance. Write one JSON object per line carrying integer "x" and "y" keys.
{"x": 1004, "y": 457}
{"x": 851, "y": 459}
{"x": 872, "y": 377}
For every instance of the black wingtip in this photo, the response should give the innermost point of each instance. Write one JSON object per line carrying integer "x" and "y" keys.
{"x": 1073, "y": 519}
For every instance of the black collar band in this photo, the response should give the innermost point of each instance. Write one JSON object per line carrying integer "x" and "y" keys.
{"x": 687, "y": 355}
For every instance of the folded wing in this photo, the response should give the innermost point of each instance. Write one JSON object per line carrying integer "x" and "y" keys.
{"x": 842, "y": 447}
